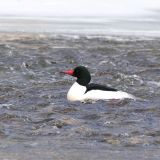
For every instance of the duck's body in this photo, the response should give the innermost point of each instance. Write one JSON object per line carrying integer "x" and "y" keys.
{"x": 78, "y": 93}
{"x": 81, "y": 90}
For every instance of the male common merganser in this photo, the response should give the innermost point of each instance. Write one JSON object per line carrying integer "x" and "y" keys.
{"x": 83, "y": 91}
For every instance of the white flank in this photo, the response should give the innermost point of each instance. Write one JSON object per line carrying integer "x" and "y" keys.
{"x": 98, "y": 94}
{"x": 77, "y": 93}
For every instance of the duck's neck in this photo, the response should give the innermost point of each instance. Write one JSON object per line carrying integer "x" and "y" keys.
{"x": 82, "y": 81}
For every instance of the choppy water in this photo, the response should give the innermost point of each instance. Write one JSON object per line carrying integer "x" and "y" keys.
{"x": 36, "y": 120}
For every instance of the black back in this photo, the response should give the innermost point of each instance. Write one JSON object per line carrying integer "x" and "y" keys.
{"x": 93, "y": 86}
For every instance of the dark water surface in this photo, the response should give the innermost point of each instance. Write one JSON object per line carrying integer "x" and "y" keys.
{"x": 36, "y": 120}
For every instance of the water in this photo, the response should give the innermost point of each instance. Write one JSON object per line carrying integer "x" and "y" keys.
{"x": 36, "y": 120}
{"x": 119, "y": 44}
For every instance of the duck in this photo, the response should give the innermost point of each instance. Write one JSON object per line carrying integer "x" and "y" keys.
{"x": 82, "y": 90}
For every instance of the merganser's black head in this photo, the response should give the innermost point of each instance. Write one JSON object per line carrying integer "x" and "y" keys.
{"x": 82, "y": 74}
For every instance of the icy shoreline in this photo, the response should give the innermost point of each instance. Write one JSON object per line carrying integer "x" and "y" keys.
{"x": 90, "y": 26}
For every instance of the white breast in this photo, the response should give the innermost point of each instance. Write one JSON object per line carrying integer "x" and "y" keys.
{"x": 77, "y": 93}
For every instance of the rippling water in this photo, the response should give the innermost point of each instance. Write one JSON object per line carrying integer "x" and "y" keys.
{"x": 36, "y": 120}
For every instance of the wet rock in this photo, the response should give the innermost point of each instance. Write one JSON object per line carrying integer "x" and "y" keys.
{"x": 71, "y": 121}
{"x": 137, "y": 140}
{"x": 111, "y": 139}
